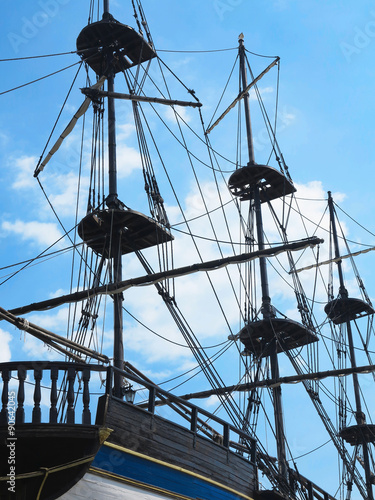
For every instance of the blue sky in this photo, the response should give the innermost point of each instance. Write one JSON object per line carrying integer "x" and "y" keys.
{"x": 326, "y": 118}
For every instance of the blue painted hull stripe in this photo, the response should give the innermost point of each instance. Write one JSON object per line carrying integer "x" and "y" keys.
{"x": 138, "y": 484}
{"x": 155, "y": 474}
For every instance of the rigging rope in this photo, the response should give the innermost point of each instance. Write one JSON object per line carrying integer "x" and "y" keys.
{"x": 39, "y": 79}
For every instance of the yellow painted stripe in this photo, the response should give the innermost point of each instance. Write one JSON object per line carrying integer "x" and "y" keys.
{"x": 132, "y": 482}
{"x": 175, "y": 467}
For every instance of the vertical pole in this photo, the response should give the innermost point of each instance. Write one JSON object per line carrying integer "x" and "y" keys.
{"x": 112, "y": 202}
{"x": 112, "y": 163}
{"x": 268, "y": 315}
{"x": 267, "y": 310}
{"x": 250, "y": 145}
{"x": 360, "y": 416}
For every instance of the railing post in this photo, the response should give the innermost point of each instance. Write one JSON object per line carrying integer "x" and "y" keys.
{"x": 226, "y": 435}
{"x": 53, "y": 409}
{"x": 20, "y": 413}
{"x": 151, "y": 399}
{"x": 86, "y": 414}
{"x": 109, "y": 385}
{"x": 70, "y": 397}
{"x": 4, "y": 397}
{"x": 37, "y": 414}
{"x": 194, "y": 419}
{"x": 253, "y": 451}
{"x": 310, "y": 490}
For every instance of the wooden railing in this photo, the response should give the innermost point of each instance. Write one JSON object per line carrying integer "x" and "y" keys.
{"x": 69, "y": 382}
{"x": 220, "y": 431}
{"x": 53, "y": 382}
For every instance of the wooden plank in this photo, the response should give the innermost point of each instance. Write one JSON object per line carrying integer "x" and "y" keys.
{"x": 151, "y": 435}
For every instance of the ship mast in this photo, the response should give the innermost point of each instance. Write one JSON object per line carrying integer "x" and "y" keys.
{"x": 113, "y": 203}
{"x": 267, "y": 310}
{"x": 109, "y": 47}
{"x": 268, "y": 335}
{"x": 342, "y": 310}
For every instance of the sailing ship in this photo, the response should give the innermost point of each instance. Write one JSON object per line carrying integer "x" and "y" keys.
{"x": 93, "y": 425}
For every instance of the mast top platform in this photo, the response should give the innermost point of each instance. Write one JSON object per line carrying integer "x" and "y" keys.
{"x": 109, "y": 42}
{"x": 258, "y": 335}
{"x": 273, "y": 184}
{"x": 345, "y": 309}
{"x": 359, "y": 434}
{"x": 137, "y": 231}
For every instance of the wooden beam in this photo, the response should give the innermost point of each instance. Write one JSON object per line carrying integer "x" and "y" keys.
{"x": 92, "y": 94}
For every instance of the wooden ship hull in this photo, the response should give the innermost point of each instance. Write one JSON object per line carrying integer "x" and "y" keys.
{"x": 71, "y": 430}
{"x": 129, "y": 453}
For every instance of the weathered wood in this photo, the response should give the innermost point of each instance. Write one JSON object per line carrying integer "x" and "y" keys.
{"x": 5, "y": 397}
{"x": 151, "y": 400}
{"x": 151, "y": 435}
{"x": 53, "y": 408}
{"x": 86, "y": 414}
{"x": 194, "y": 419}
{"x": 70, "y": 398}
{"x": 20, "y": 413}
{"x": 37, "y": 413}
{"x": 51, "y": 446}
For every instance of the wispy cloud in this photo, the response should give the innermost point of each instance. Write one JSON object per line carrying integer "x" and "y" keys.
{"x": 39, "y": 233}
{"x": 5, "y": 340}
{"x": 24, "y": 167}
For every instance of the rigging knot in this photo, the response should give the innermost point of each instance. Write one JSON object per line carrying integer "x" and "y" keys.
{"x": 303, "y": 308}
{"x": 314, "y": 395}
{"x": 166, "y": 297}
{"x": 23, "y": 324}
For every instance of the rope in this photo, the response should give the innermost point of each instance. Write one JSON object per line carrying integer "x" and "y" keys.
{"x": 52, "y": 470}
{"x": 38, "y": 57}
{"x": 196, "y": 51}
{"x": 39, "y": 79}
{"x": 61, "y": 110}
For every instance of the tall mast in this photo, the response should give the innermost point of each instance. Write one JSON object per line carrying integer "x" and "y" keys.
{"x": 265, "y": 337}
{"x": 110, "y": 47}
{"x": 267, "y": 310}
{"x": 346, "y": 319}
{"x": 113, "y": 203}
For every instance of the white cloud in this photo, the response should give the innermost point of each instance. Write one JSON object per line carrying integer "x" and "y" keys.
{"x": 128, "y": 160}
{"x": 265, "y": 90}
{"x": 66, "y": 185}
{"x": 193, "y": 292}
{"x": 24, "y": 168}
{"x": 5, "y": 340}
{"x": 36, "y": 349}
{"x": 182, "y": 113}
{"x": 40, "y": 233}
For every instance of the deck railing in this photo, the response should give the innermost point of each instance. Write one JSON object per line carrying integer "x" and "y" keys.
{"x": 219, "y": 430}
{"x": 53, "y": 382}
{"x": 69, "y": 382}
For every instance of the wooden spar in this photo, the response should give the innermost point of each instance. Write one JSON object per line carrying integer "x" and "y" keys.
{"x": 68, "y": 129}
{"x": 337, "y": 259}
{"x": 151, "y": 279}
{"x": 293, "y": 379}
{"x": 91, "y": 93}
{"x": 50, "y": 338}
{"x": 242, "y": 94}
